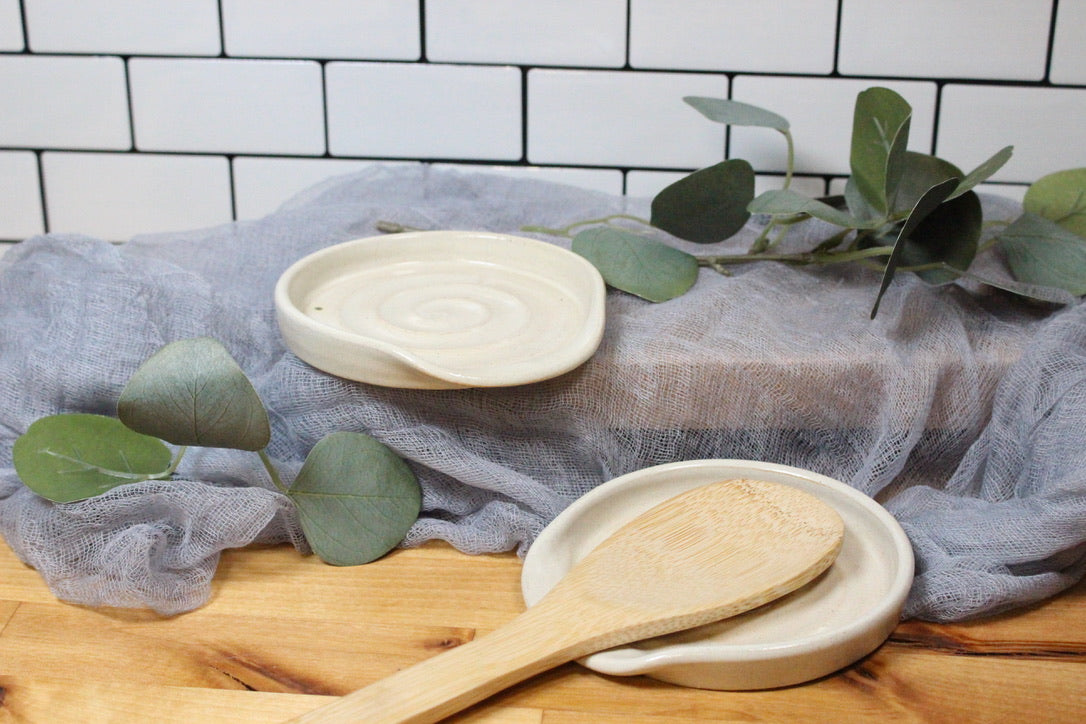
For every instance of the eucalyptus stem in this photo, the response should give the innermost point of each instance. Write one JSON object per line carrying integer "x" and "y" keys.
{"x": 82, "y": 466}
{"x": 272, "y": 472}
{"x": 799, "y": 258}
{"x": 761, "y": 242}
{"x": 790, "y": 162}
{"x": 566, "y": 231}
{"x": 176, "y": 461}
{"x": 394, "y": 227}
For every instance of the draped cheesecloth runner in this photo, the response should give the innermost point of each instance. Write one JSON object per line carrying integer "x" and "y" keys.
{"x": 964, "y": 414}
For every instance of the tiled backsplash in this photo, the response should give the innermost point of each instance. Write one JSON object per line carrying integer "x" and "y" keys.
{"x": 126, "y": 116}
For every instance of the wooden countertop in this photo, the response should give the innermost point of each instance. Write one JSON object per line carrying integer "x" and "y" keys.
{"x": 282, "y": 632}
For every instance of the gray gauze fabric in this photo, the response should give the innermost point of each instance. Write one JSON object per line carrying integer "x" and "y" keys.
{"x": 960, "y": 410}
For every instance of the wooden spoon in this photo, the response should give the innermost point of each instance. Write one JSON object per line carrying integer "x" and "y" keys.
{"x": 712, "y": 552}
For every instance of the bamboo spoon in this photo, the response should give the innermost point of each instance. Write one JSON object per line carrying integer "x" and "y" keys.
{"x": 704, "y": 555}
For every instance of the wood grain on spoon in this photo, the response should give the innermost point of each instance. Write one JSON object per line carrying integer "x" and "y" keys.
{"x": 704, "y": 555}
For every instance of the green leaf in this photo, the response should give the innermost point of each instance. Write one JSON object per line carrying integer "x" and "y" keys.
{"x": 858, "y": 206}
{"x": 1060, "y": 197}
{"x": 922, "y": 171}
{"x": 735, "y": 113}
{"x": 1040, "y": 251}
{"x": 927, "y": 204}
{"x": 1051, "y": 295}
{"x": 708, "y": 205}
{"x": 984, "y": 171}
{"x": 356, "y": 499}
{"x": 192, "y": 392}
{"x": 946, "y": 238}
{"x": 70, "y": 457}
{"x": 880, "y": 133}
{"x": 644, "y": 267}
{"x": 787, "y": 202}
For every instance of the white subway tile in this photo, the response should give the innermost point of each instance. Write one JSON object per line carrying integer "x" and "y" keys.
{"x": 813, "y": 186}
{"x": 162, "y": 27}
{"x": 646, "y": 184}
{"x": 377, "y": 29}
{"x": 261, "y": 185}
{"x": 20, "y": 196}
{"x": 115, "y": 196}
{"x": 424, "y": 111}
{"x": 11, "y": 26}
{"x": 557, "y": 32}
{"x": 1045, "y": 126}
{"x": 1069, "y": 46}
{"x": 1010, "y": 191}
{"x": 820, "y": 113}
{"x": 63, "y": 102}
{"x": 650, "y": 183}
{"x": 621, "y": 118}
{"x": 608, "y": 181}
{"x": 787, "y": 36}
{"x": 240, "y": 106}
{"x": 1005, "y": 39}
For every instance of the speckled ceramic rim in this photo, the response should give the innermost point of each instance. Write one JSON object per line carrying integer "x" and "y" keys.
{"x": 505, "y": 258}
{"x": 715, "y": 664}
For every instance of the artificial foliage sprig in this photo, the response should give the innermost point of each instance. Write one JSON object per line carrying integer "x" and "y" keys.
{"x": 901, "y": 210}
{"x": 355, "y": 497}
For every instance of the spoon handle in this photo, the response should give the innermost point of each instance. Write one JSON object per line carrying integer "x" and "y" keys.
{"x": 442, "y": 685}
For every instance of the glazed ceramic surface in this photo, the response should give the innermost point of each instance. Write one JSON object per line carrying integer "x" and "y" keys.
{"x": 835, "y": 620}
{"x": 442, "y": 309}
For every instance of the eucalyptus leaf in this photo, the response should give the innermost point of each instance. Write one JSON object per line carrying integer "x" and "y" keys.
{"x": 922, "y": 171}
{"x": 1051, "y": 295}
{"x": 858, "y": 206}
{"x": 924, "y": 206}
{"x": 880, "y": 133}
{"x": 778, "y": 202}
{"x": 945, "y": 239}
{"x": 356, "y": 499}
{"x": 641, "y": 266}
{"x": 192, "y": 392}
{"x": 1060, "y": 197}
{"x": 707, "y": 206}
{"x": 735, "y": 113}
{"x": 1040, "y": 251}
{"x": 984, "y": 171}
{"x": 71, "y": 457}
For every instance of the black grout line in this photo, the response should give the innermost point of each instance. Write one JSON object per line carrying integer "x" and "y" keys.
{"x": 222, "y": 32}
{"x": 524, "y": 115}
{"x": 131, "y": 106}
{"x": 422, "y": 32}
{"x": 936, "y": 111}
{"x": 1051, "y": 41}
{"x": 834, "y": 71}
{"x": 629, "y": 21}
{"x": 41, "y": 191}
{"x": 324, "y": 110}
{"x": 26, "y": 26}
{"x": 233, "y": 186}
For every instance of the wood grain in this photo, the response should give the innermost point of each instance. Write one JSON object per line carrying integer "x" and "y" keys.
{"x": 282, "y": 633}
